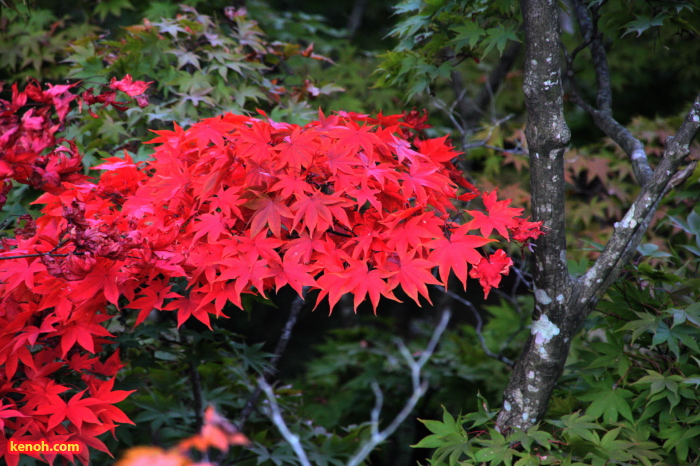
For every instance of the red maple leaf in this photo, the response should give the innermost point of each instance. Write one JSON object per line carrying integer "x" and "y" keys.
{"x": 212, "y": 130}
{"x": 269, "y": 212}
{"x": 103, "y": 278}
{"x": 255, "y": 142}
{"x": 297, "y": 150}
{"x": 293, "y": 273}
{"x": 129, "y": 86}
{"x": 77, "y": 410}
{"x": 82, "y": 330}
{"x": 212, "y": 224}
{"x": 526, "y": 230}
{"x": 437, "y": 149}
{"x": 7, "y": 411}
{"x": 412, "y": 273}
{"x": 152, "y": 298}
{"x": 245, "y": 272}
{"x": 228, "y": 201}
{"x": 306, "y": 246}
{"x": 354, "y": 137}
{"x": 338, "y": 157}
{"x": 419, "y": 177}
{"x": 412, "y": 232}
{"x": 18, "y": 271}
{"x": 291, "y": 185}
{"x": 361, "y": 280}
{"x": 318, "y": 212}
{"x": 455, "y": 252}
{"x": 489, "y": 271}
{"x": 500, "y": 217}
{"x": 194, "y": 305}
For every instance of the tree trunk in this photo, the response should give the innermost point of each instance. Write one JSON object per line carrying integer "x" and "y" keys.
{"x": 534, "y": 376}
{"x": 561, "y": 303}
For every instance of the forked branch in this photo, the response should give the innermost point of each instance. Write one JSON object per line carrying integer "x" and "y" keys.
{"x": 377, "y": 436}
{"x": 602, "y": 112}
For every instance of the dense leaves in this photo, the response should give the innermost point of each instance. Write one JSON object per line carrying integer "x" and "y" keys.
{"x": 237, "y": 206}
{"x": 614, "y": 402}
{"x": 233, "y": 205}
{"x": 44, "y": 330}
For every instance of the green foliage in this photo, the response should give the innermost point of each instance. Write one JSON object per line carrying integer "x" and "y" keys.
{"x": 649, "y": 16}
{"x": 164, "y": 363}
{"x": 629, "y": 394}
{"x": 336, "y": 384}
{"x": 33, "y": 43}
{"x": 161, "y": 361}
{"x": 200, "y": 68}
{"x": 436, "y": 36}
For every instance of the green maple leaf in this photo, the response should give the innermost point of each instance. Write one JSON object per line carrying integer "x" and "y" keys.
{"x": 468, "y": 34}
{"x": 112, "y": 7}
{"x": 609, "y": 403}
{"x": 643, "y": 22}
{"x": 498, "y": 37}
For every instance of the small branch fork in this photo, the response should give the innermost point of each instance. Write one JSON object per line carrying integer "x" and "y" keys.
{"x": 471, "y": 110}
{"x": 278, "y": 420}
{"x": 377, "y": 436}
{"x": 655, "y": 183}
{"x": 602, "y": 113}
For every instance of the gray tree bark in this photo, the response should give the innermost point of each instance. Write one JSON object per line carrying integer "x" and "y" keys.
{"x": 562, "y": 303}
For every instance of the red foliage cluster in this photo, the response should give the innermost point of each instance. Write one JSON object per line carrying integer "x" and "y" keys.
{"x": 31, "y": 152}
{"x": 235, "y": 204}
{"x": 39, "y": 324}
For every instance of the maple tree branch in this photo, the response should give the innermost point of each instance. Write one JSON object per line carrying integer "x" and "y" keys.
{"x": 195, "y": 382}
{"x": 521, "y": 279}
{"x": 602, "y": 114}
{"x": 588, "y": 24}
{"x": 355, "y": 18}
{"x": 23, "y": 256}
{"x": 278, "y": 420}
{"x": 294, "y": 311}
{"x": 377, "y": 436}
{"x": 419, "y": 389}
{"x": 471, "y": 110}
{"x": 479, "y": 327}
{"x": 628, "y": 231}
{"x": 466, "y": 131}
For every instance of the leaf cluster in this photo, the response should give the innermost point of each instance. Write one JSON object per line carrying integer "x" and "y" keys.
{"x": 629, "y": 392}
{"x": 202, "y": 66}
{"x": 436, "y": 36}
{"x": 234, "y": 205}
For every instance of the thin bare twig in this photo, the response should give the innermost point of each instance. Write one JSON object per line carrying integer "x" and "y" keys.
{"x": 295, "y": 310}
{"x": 419, "y": 389}
{"x": 470, "y": 111}
{"x": 195, "y": 382}
{"x": 278, "y": 420}
{"x": 479, "y": 327}
{"x": 602, "y": 113}
{"x": 377, "y": 436}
